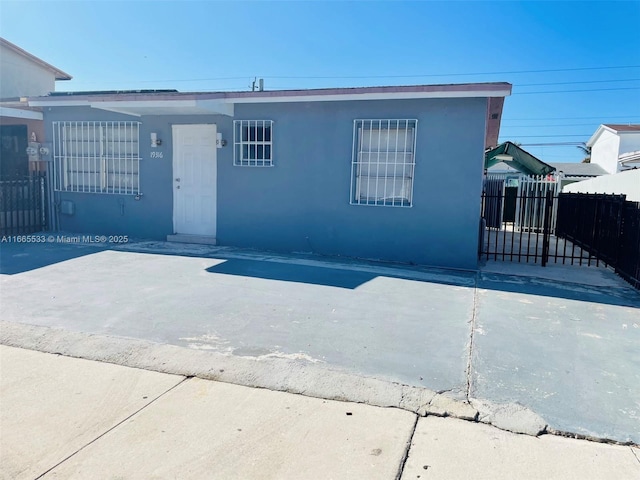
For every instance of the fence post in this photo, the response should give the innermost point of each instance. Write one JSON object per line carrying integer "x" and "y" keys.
{"x": 546, "y": 231}
{"x": 619, "y": 224}
{"x": 43, "y": 212}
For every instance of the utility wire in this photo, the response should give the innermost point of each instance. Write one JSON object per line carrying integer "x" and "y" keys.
{"x": 561, "y": 125}
{"x": 552, "y": 144}
{"x": 247, "y": 77}
{"x": 548, "y": 136}
{"x": 311, "y": 77}
{"x": 575, "y": 118}
{"x": 518, "y": 85}
{"x": 502, "y": 125}
{"x": 575, "y": 91}
{"x": 277, "y": 87}
{"x": 575, "y": 83}
{"x": 460, "y": 74}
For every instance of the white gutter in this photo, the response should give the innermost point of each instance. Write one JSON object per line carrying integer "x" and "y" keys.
{"x": 275, "y": 98}
{"x": 369, "y": 96}
{"x": 19, "y": 113}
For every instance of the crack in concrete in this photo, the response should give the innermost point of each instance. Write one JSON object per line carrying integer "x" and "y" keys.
{"x": 276, "y": 374}
{"x": 443, "y": 406}
{"x": 112, "y": 428}
{"x": 405, "y": 456}
{"x": 633, "y": 451}
{"x": 472, "y": 335}
{"x": 591, "y": 438}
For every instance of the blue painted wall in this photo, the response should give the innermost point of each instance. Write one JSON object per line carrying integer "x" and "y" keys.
{"x": 302, "y": 203}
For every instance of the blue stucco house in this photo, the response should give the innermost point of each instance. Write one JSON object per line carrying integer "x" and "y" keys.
{"x": 392, "y": 173}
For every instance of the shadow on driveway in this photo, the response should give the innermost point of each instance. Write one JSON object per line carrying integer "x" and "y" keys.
{"x": 23, "y": 257}
{"x": 332, "y": 274}
{"x": 318, "y": 270}
{"x": 285, "y": 272}
{"x": 351, "y": 279}
{"x": 622, "y": 296}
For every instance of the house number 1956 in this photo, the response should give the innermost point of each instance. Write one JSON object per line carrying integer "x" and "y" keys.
{"x": 156, "y": 154}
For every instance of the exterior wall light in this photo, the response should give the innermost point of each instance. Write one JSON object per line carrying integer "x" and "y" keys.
{"x": 155, "y": 141}
{"x": 219, "y": 141}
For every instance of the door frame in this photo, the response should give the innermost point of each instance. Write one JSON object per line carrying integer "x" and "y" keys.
{"x": 175, "y": 137}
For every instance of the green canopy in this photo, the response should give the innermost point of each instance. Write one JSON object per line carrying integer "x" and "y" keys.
{"x": 514, "y": 156}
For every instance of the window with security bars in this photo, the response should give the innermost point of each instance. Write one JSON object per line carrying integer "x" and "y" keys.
{"x": 383, "y": 162}
{"x": 97, "y": 157}
{"x": 252, "y": 140}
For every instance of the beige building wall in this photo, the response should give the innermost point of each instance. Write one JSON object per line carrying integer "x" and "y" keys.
{"x": 21, "y": 77}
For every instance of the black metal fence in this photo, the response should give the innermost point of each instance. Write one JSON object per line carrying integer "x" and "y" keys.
{"x": 524, "y": 238}
{"x": 607, "y": 226}
{"x": 23, "y": 204}
{"x": 526, "y": 231}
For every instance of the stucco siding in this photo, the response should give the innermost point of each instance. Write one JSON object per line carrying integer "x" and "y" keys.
{"x": 629, "y": 142}
{"x": 110, "y": 214}
{"x": 33, "y": 126}
{"x": 21, "y": 77}
{"x": 302, "y": 202}
{"x": 604, "y": 151}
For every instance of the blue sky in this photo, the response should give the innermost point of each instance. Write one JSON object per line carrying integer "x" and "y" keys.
{"x": 545, "y": 46}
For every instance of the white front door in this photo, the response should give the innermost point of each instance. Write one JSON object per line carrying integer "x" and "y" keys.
{"x": 194, "y": 179}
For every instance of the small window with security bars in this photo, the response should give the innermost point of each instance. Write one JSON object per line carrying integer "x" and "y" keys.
{"x": 253, "y": 144}
{"x": 97, "y": 157}
{"x": 383, "y": 162}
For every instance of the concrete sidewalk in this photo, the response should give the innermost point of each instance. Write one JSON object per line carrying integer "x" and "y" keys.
{"x": 62, "y": 417}
{"x": 508, "y": 347}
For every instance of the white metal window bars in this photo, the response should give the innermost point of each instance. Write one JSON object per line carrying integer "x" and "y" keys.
{"x": 97, "y": 157}
{"x": 253, "y": 143}
{"x": 383, "y": 162}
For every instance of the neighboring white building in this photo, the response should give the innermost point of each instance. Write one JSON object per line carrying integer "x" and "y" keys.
{"x": 616, "y": 147}
{"x": 25, "y": 75}
{"x": 627, "y": 183}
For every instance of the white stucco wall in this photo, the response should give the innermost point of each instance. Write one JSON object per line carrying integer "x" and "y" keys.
{"x": 20, "y": 77}
{"x": 629, "y": 142}
{"x": 604, "y": 151}
{"x": 627, "y": 183}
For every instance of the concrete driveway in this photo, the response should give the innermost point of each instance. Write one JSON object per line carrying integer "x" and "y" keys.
{"x": 567, "y": 351}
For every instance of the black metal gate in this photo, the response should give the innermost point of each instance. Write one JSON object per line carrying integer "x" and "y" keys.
{"x": 521, "y": 227}
{"x": 523, "y": 235}
{"x": 23, "y": 204}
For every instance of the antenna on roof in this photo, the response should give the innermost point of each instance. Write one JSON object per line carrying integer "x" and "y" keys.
{"x": 260, "y": 84}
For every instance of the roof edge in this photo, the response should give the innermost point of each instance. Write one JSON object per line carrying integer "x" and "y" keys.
{"x": 59, "y": 74}
{"x": 517, "y": 152}
{"x": 484, "y": 90}
{"x": 608, "y": 128}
